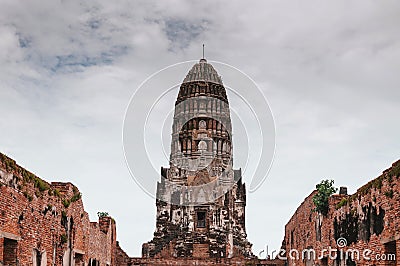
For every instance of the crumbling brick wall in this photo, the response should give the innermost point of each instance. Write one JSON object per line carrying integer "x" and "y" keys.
{"x": 203, "y": 261}
{"x": 48, "y": 223}
{"x": 122, "y": 259}
{"x": 368, "y": 219}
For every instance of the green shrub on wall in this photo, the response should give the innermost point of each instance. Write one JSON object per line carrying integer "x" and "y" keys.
{"x": 324, "y": 190}
{"x": 102, "y": 214}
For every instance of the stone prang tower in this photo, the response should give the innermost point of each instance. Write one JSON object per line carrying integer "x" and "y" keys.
{"x": 200, "y": 200}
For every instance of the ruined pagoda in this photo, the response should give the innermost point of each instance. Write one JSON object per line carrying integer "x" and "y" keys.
{"x": 201, "y": 199}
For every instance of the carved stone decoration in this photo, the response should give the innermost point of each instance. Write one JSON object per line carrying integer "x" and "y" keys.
{"x": 201, "y": 160}
{"x": 202, "y": 146}
{"x": 202, "y": 124}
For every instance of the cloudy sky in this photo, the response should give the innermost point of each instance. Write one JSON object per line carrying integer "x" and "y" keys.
{"x": 330, "y": 72}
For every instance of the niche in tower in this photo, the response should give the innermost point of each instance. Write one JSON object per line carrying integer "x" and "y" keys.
{"x": 200, "y": 219}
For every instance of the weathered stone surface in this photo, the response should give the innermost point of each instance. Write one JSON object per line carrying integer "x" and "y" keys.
{"x": 368, "y": 219}
{"x": 45, "y": 223}
{"x": 200, "y": 200}
{"x": 203, "y": 261}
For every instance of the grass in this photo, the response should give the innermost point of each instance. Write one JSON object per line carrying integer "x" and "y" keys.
{"x": 342, "y": 203}
{"x": 66, "y": 203}
{"x": 76, "y": 196}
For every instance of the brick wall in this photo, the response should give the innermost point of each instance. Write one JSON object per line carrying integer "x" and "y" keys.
{"x": 201, "y": 251}
{"x": 368, "y": 219}
{"x": 46, "y": 219}
{"x": 1, "y": 249}
{"x": 122, "y": 259}
{"x": 202, "y": 262}
{"x": 10, "y": 251}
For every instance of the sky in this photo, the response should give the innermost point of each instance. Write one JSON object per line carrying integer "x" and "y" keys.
{"x": 329, "y": 71}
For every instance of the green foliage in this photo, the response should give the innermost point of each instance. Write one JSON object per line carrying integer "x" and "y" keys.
{"x": 40, "y": 184}
{"x": 27, "y": 176}
{"x": 66, "y": 202}
{"x": 57, "y": 192}
{"x": 376, "y": 183}
{"x": 28, "y": 196}
{"x": 76, "y": 196}
{"x": 63, "y": 239}
{"x": 342, "y": 203}
{"x": 324, "y": 190}
{"x": 64, "y": 219}
{"x": 395, "y": 171}
{"x": 9, "y": 163}
{"x": 102, "y": 214}
{"x": 389, "y": 193}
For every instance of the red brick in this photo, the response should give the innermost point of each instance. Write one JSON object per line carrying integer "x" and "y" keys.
{"x": 301, "y": 232}
{"x": 35, "y": 217}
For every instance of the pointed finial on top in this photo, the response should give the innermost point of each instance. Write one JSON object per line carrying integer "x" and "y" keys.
{"x": 203, "y": 60}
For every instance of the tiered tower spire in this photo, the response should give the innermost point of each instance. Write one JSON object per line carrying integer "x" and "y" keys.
{"x": 200, "y": 199}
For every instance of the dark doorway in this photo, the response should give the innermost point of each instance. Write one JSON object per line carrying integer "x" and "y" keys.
{"x": 94, "y": 262}
{"x": 10, "y": 252}
{"x": 201, "y": 219}
{"x": 350, "y": 262}
{"x": 390, "y": 253}
{"x": 324, "y": 261}
{"x": 79, "y": 259}
{"x": 38, "y": 258}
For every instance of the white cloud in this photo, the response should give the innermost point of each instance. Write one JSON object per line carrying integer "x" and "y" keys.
{"x": 329, "y": 70}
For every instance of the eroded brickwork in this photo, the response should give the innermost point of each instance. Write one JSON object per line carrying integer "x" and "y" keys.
{"x": 122, "y": 258}
{"x": 201, "y": 199}
{"x": 368, "y": 220}
{"x": 45, "y": 223}
{"x": 203, "y": 262}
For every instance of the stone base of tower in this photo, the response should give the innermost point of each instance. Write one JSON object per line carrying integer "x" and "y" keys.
{"x": 197, "y": 250}
{"x": 214, "y": 230}
{"x": 202, "y": 262}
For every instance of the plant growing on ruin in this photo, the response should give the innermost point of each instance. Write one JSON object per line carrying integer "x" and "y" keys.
{"x": 342, "y": 203}
{"x": 395, "y": 171}
{"x": 324, "y": 190}
{"x": 76, "y": 196}
{"x": 63, "y": 239}
{"x": 57, "y": 192}
{"x": 40, "y": 184}
{"x": 28, "y": 196}
{"x": 66, "y": 202}
{"x": 102, "y": 214}
{"x": 9, "y": 164}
